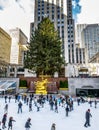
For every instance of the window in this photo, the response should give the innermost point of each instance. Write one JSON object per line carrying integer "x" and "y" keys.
{"x": 62, "y": 16}
{"x": 52, "y": 16}
{"x": 39, "y": 18}
{"x": 58, "y": 16}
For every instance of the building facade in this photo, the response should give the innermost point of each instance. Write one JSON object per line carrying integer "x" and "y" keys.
{"x": 80, "y": 55}
{"x": 91, "y": 39}
{"x": 5, "y": 46}
{"x": 70, "y": 33}
{"x": 60, "y": 13}
{"x": 87, "y": 36}
{"x": 5, "y": 50}
{"x": 79, "y": 35}
{"x": 19, "y": 42}
{"x": 95, "y": 58}
{"x": 84, "y": 87}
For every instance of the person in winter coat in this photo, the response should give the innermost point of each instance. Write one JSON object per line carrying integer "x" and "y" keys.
{"x": 95, "y": 103}
{"x": 67, "y": 110}
{"x": 28, "y": 124}
{"x": 4, "y": 119}
{"x": 6, "y": 98}
{"x": 90, "y": 102}
{"x": 10, "y": 123}
{"x": 0, "y": 126}
{"x": 9, "y": 98}
{"x": 6, "y": 108}
{"x": 20, "y": 107}
{"x": 53, "y": 127}
{"x": 30, "y": 106}
{"x": 87, "y": 116}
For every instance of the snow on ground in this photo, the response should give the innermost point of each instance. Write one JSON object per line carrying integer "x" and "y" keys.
{"x": 43, "y": 119}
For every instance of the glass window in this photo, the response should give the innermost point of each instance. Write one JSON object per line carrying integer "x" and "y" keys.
{"x": 39, "y": 18}
{"x": 52, "y": 16}
{"x": 58, "y": 16}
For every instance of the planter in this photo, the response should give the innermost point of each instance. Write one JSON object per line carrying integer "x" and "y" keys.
{"x": 64, "y": 89}
{"x": 45, "y": 76}
{"x": 22, "y": 87}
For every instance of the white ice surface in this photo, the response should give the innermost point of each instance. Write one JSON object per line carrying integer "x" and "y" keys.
{"x": 43, "y": 119}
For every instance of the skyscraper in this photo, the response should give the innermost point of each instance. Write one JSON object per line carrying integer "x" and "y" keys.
{"x": 88, "y": 38}
{"x": 5, "y": 45}
{"x": 91, "y": 39}
{"x": 71, "y": 33}
{"x": 19, "y": 41}
{"x": 60, "y": 13}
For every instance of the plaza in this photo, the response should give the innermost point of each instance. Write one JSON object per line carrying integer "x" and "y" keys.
{"x": 43, "y": 119}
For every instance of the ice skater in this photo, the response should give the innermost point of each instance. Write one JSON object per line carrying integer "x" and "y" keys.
{"x": 4, "y": 119}
{"x": 53, "y": 127}
{"x": 87, "y": 116}
{"x": 28, "y": 124}
{"x": 6, "y": 108}
{"x": 10, "y": 123}
{"x": 20, "y": 107}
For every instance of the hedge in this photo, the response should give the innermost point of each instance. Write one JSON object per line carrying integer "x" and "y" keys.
{"x": 23, "y": 83}
{"x": 64, "y": 84}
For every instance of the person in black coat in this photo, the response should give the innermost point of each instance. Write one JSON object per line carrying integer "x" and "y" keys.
{"x": 53, "y": 127}
{"x": 67, "y": 110}
{"x": 0, "y": 125}
{"x": 10, "y": 123}
{"x": 6, "y": 108}
{"x": 95, "y": 103}
{"x": 30, "y": 106}
{"x": 28, "y": 124}
{"x": 4, "y": 119}
{"x": 20, "y": 107}
{"x": 87, "y": 116}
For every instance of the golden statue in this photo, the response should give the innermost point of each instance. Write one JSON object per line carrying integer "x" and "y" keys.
{"x": 41, "y": 86}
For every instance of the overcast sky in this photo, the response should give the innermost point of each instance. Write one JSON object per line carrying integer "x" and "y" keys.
{"x": 19, "y": 13}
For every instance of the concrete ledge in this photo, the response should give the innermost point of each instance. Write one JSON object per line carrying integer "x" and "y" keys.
{"x": 64, "y": 89}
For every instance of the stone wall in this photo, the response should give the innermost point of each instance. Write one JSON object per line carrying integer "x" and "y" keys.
{"x": 82, "y": 83}
{"x": 53, "y": 85}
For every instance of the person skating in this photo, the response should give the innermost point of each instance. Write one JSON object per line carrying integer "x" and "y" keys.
{"x": 90, "y": 102}
{"x": 20, "y": 107}
{"x": 78, "y": 101}
{"x": 0, "y": 125}
{"x": 38, "y": 106}
{"x": 6, "y": 98}
{"x": 4, "y": 119}
{"x": 9, "y": 99}
{"x": 53, "y": 127}
{"x": 67, "y": 110}
{"x": 87, "y": 116}
{"x": 6, "y": 108}
{"x": 95, "y": 103}
{"x": 10, "y": 123}
{"x": 28, "y": 124}
{"x": 56, "y": 106}
{"x": 30, "y": 106}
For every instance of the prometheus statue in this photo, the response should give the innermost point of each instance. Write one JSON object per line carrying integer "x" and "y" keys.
{"x": 41, "y": 86}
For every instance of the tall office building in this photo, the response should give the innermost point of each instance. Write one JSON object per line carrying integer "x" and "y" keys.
{"x": 5, "y": 46}
{"x": 81, "y": 52}
{"x": 60, "y": 13}
{"x": 19, "y": 42}
{"x": 71, "y": 33}
{"x": 91, "y": 39}
{"x": 88, "y": 38}
{"x": 79, "y": 35}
